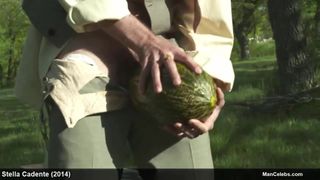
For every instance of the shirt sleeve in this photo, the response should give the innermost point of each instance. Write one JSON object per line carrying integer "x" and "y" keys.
{"x": 213, "y": 55}
{"x": 214, "y": 40}
{"x": 83, "y": 12}
{"x": 211, "y": 41}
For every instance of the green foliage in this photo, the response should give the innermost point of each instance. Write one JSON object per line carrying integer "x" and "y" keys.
{"x": 20, "y": 138}
{"x": 265, "y": 49}
{"x": 309, "y": 9}
{"x": 13, "y": 28}
{"x": 250, "y": 22}
{"x": 285, "y": 138}
{"x": 262, "y": 29}
{"x": 240, "y": 7}
{"x": 311, "y": 17}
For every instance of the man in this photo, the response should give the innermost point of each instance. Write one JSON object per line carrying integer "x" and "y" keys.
{"x": 80, "y": 76}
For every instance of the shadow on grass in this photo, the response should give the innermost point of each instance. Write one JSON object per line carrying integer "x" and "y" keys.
{"x": 262, "y": 79}
{"x": 256, "y": 140}
{"x": 20, "y": 137}
{"x": 11, "y": 104}
{"x": 19, "y": 145}
{"x": 21, "y": 149}
{"x": 284, "y": 137}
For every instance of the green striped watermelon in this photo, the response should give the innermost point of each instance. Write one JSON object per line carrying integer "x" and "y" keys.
{"x": 195, "y": 98}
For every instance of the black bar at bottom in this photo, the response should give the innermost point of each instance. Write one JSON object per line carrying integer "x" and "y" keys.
{"x": 150, "y": 174}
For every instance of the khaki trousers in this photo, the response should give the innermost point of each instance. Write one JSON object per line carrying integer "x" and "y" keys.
{"x": 124, "y": 138}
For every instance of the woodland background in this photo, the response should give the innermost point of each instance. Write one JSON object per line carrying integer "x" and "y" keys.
{"x": 271, "y": 118}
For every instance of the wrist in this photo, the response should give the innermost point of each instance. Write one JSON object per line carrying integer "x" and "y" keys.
{"x": 130, "y": 32}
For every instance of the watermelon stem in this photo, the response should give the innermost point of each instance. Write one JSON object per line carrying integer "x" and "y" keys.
{"x": 213, "y": 101}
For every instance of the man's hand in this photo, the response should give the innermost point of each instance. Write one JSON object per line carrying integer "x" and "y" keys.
{"x": 149, "y": 50}
{"x": 158, "y": 51}
{"x": 194, "y": 127}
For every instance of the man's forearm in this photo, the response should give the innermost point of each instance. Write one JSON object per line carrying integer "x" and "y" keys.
{"x": 148, "y": 49}
{"x": 129, "y": 31}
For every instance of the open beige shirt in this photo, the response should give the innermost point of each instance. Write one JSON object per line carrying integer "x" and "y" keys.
{"x": 209, "y": 38}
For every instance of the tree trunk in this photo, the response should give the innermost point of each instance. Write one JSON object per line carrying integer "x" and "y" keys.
{"x": 10, "y": 66}
{"x": 295, "y": 68}
{"x": 11, "y": 62}
{"x": 243, "y": 41}
{"x": 244, "y": 27}
{"x": 317, "y": 20}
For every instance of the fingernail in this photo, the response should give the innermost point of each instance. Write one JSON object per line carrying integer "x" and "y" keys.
{"x": 190, "y": 122}
{"x": 177, "y": 125}
{"x": 177, "y": 82}
{"x": 158, "y": 90}
{"x": 190, "y": 135}
{"x": 198, "y": 70}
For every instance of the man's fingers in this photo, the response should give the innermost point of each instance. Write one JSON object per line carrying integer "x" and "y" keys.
{"x": 191, "y": 130}
{"x": 151, "y": 67}
{"x": 220, "y": 96}
{"x": 188, "y": 61}
{"x": 168, "y": 60}
{"x": 209, "y": 123}
{"x": 199, "y": 126}
{"x": 143, "y": 78}
{"x": 174, "y": 131}
{"x": 187, "y": 131}
{"x": 156, "y": 79}
{"x": 220, "y": 104}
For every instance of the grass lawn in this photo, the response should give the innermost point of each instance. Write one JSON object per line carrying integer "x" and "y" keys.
{"x": 242, "y": 138}
{"x": 283, "y": 138}
{"x": 20, "y": 138}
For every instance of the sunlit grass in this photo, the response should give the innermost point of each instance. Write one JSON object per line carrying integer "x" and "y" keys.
{"x": 283, "y": 138}
{"x": 245, "y": 93}
{"x": 258, "y": 50}
{"x": 266, "y": 141}
{"x": 20, "y": 138}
